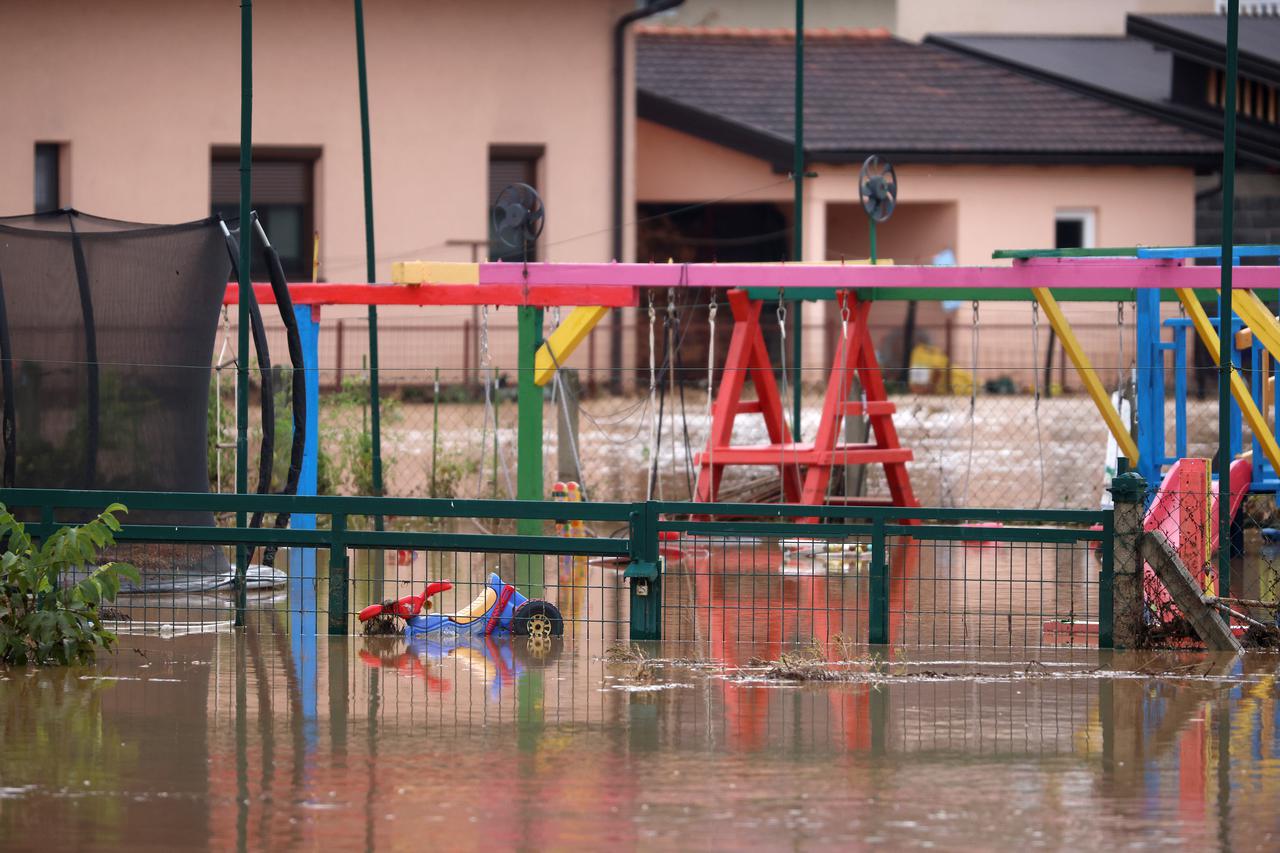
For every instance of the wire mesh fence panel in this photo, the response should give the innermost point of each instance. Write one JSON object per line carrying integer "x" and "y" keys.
{"x": 587, "y": 591}
{"x": 989, "y": 592}
{"x": 741, "y": 596}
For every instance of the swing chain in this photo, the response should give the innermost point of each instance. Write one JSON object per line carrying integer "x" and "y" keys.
{"x": 1120, "y": 366}
{"x": 1035, "y": 350}
{"x": 712, "y": 309}
{"x": 653, "y": 320}
{"x": 782, "y": 315}
{"x": 973, "y": 360}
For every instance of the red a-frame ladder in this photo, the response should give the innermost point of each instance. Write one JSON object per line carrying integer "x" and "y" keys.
{"x": 805, "y": 466}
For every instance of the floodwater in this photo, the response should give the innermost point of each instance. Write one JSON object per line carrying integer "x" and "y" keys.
{"x": 255, "y": 740}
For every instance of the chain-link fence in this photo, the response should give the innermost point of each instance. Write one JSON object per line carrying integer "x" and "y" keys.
{"x": 987, "y": 422}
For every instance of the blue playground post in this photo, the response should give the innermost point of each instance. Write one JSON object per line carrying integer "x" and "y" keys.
{"x": 1150, "y": 387}
{"x": 1150, "y": 382}
{"x": 303, "y": 616}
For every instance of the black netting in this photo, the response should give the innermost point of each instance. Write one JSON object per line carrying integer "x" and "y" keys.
{"x": 111, "y": 329}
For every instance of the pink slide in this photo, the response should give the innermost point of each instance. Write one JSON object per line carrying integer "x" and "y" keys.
{"x": 1179, "y": 513}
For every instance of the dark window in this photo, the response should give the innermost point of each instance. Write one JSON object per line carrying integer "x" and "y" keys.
{"x": 283, "y": 196}
{"x": 510, "y": 165}
{"x": 48, "y": 176}
{"x": 1068, "y": 234}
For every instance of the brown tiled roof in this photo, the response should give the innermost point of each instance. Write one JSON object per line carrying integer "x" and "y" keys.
{"x": 866, "y": 91}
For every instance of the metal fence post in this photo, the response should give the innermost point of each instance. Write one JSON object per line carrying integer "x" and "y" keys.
{"x": 1106, "y": 582}
{"x": 878, "y": 595}
{"x": 645, "y": 574}
{"x": 1128, "y": 491}
{"x": 338, "y": 576}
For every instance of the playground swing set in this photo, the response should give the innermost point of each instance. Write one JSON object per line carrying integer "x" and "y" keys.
{"x": 1144, "y": 276}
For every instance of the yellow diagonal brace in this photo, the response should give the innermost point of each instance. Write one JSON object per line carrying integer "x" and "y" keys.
{"x": 1128, "y": 447}
{"x": 1257, "y": 317}
{"x": 564, "y": 340}
{"x": 1257, "y": 423}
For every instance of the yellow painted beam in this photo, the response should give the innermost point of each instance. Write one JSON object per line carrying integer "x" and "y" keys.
{"x": 1257, "y": 423}
{"x": 1257, "y": 316}
{"x": 561, "y": 343}
{"x": 1092, "y": 384}
{"x": 434, "y": 272}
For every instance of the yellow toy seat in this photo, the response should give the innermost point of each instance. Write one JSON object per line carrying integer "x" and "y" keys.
{"x": 477, "y": 609}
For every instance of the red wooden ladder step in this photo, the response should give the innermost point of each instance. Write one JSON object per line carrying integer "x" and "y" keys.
{"x": 857, "y": 409}
{"x": 804, "y": 467}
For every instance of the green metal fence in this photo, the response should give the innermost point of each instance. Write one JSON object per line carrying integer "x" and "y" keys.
{"x": 737, "y": 578}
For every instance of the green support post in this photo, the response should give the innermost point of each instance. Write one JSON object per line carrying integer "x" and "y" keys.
{"x": 338, "y": 577}
{"x": 1226, "y": 339}
{"x": 371, "y": 266}
{"x": 245, "y": 282}
{"x": 529, "y": 444}
{"x": 644, "y": 571}
{"x": 797, "y": 242}
{"x": 878, "y": 594}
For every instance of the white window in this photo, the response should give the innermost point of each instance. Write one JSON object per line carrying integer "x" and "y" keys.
{"x": 1075, "y": 228}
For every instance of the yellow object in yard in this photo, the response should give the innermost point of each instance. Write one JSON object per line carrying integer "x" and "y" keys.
{"x": 1257, "y": 423}
{"x": 1128, "y": 447}
{"x": 926, "y": 368}
{"x": 960, "y": 380}
{"x": 434, "y": 272}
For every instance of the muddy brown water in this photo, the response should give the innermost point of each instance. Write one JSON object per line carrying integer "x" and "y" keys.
{"x": 256, "y": 740}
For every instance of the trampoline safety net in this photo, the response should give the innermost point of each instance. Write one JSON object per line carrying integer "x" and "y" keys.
{"x": 107, "y": 330}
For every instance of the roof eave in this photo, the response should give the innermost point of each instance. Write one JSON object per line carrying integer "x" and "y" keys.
{"x": 1200, "y": 49}
{"x": 1260, "y": 151}
{"x": 998, "y": 157}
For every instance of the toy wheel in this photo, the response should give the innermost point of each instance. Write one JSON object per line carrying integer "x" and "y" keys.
{"x": 538, "y": 647}
{"x": 539, "y": 619}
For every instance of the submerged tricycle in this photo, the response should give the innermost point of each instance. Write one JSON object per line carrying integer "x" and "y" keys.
{"x": 499, "y": 609}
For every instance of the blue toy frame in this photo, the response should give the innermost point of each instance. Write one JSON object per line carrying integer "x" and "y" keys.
{"x": 1150, "y": 382}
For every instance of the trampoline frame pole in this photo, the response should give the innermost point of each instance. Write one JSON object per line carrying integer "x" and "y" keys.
{"x": 245, "y": 283}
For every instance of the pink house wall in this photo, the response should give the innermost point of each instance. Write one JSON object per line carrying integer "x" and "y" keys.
{"x": 972, "y": 209}
{"x": 141, "y": 89}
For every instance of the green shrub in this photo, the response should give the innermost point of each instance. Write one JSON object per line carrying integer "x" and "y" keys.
{"x": 43, "y": 620}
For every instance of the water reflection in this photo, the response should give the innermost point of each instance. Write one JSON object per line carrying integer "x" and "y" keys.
{"x": 279, "y": 739}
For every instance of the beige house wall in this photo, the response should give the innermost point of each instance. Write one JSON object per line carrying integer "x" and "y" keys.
{"x": 914, "y": 19}
{"x": 142, "y": 90}
{"x": 142, "y": 93}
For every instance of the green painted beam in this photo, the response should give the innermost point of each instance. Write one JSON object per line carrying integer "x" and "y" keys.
{"x": 969, "y": 294}
{"x": 1102, "y": 252}
{"x": 529, "y": 442}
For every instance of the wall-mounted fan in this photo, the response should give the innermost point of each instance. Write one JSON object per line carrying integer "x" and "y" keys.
{"x": 518, "y": 216}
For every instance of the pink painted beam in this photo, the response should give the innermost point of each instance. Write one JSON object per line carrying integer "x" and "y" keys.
{"x": 616, "y": 285}
{"x": 1128, "y": 273}
{"x": 540, "y": 295}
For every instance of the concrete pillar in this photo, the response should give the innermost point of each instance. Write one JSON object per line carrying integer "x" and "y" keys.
{"x": 1128, "y": 491}
{"x": 567, "y": 427}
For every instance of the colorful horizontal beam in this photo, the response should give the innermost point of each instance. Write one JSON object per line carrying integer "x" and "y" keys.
{"x": 1072, "y": 273}
{"x": 614, "y": 285}
{"x": 538, "y": 296}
